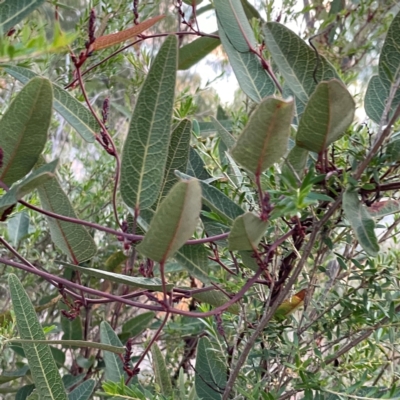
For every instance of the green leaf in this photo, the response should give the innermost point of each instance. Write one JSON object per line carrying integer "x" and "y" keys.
{"x": 24, "y": 392}
{"x": 361, "y": 221}
{"x": 252, "y": 78}
{"x": 211, "y": 371}
{"x": 329, "y": 112}
{"x": 83, "y": 391}
{"x": 114, "y": 366}
{"x": 382, "y": 208}
{"x": 136, "y": 325}
{"x": 296, "y": 160}
{"x": 72, "y": 380}
{"x": 139, "y": 282}
{"x": 146, "y": 146}
{"x": 72, "y": 239}
{"x": 264, "y": 139}
{"x": 24, "y": 129}
{"x": 14, "y": 11}
{"x": 207, "y": 127}
{"x": 389, "y": 59}
{"x": 72, "y": 110}
{"x": 43, "y": 368}
{"x": 216, "y": 298}
{"x": 378, "y": 91}
{"x": 249, "y": 261}
{"x": 174, "y": 222}
{"x": 193, "y": 52}
{"x": 18, "y": 227}
{"x": 251, "y": 11}
{"x": 178, "y": 155}
{"x": 161, "y": 371}
{"x": 393, "y": 149}
{"x": 72, "y": 329}
{"x": 8, "y": 376}
{"x": 217, "y": 201}
{"x": 196, "y": 167}
{"x": 32, "y": 182}
{"x": 194, "y": 258}
{"x": 246, "y": 233}
{"x": 296, "y": 61}
{"x": 224, "y": 134}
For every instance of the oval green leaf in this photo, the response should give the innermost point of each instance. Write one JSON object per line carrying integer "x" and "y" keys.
{"x": 43, "y": 367}
{"x": 23, "y": 129}
{"x": 146, "y": 147}
{"x": 328, "y": 113}
{"x": 174, "y": 222}
{"x": 264, "y": 139}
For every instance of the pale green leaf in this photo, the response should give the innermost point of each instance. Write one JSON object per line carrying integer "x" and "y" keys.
{"x": 27, "y": 185}
{"x": 43, "y": 368}
{"x": 361, "y": 221}
{"x": 329, "y": 112}
{"x": 389, "y": 59}
{"x": 146, "y": 147}
{"x": 72, "y": 239}
{"x": 211, "y": 371}
{"x": 216, "y": 298}
{"x": 249, "y": 261}
{"x": 378, "y": 91}
{"x": 194, "y": 258}
{"x": 174, "y": 222}
{"x": 72, "y": 110}
{"x": 139, "y": 282}
{"x": 264, "y": 139}
{"x": 296, "y": 61}
{"x": 224, "y": 134}
{"x": 83, "y": 391}
{"x": 246, "y": 233}
{"x": 296, "y": 161}
{"x": 160, "y": 371}
{"x": 252, "y": 78}
{"x": 382, "y": 208}
{"x": 18, "y": 227}
{"x": 14, "y": 11}
{"x": 207, "y": 127}
{"x": 393, "y": 149}
{"x": 178, "y": 155}
{"x": 23, "y": 129}
{"x": 114, "y": 365}
{"x": 192, "y": 53}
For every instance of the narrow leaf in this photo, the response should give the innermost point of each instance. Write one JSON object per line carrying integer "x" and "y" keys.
{"x": 178, "y": 155}
{"x": 161, "y": 371}
{"x": 18, "y": 227}
{"x": 328, "y": 113}
{"x": 146, "y": 147}
{"x": 361, "y": 222}
{"x": 378, "y": 91}
{"x": 224, "y": 134}
{"x": 43, "y": 368}
{"x": 8, "y": 376}
{"x": 216, "y": 298}
{"x": 32, "y": 182}
{"x": 23, "y": 129}
{"x": 193, "y": 52}
{"x": 14, "y": 11}
{"x": 114, "y": 365}
{"x": 194, "y": 258}
{"x": 174, "y": 221}
{"x": 296, "y": 61}
{"x": 296, "y": 161}
{"x": 106, "y": 41}
{"x": 389, "y": 59}
{"x": 72, "y": 239}
{"x": 246, "y": 233}
{"x": 24, "y": 392}
{"x": 83, "y": 391}
{"x": 382, "y": 208}
{"x": 139, "y": 282}
{"x": 135, "y": 326}
{"x": 72, "y": 110}
{"x": 196, "y": 167}
{"x": 210, "y": 375}
{"x": 208, "y": 127}
{"x": 264, "y": 139}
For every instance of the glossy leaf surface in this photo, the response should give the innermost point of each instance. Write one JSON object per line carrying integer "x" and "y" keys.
{"x": 146, "y": 147}
{"x": 329, "y": 112}
{"x": 174, "y": 221}
{"x": 43, "y": 368}
{"x": 23, "y": 129}
{"x": 264, "y": 139}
